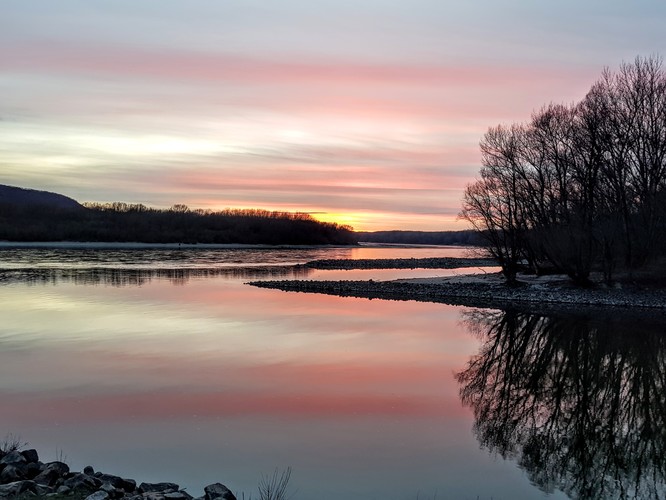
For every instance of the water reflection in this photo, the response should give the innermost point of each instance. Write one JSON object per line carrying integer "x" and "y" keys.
{"x": 577, "y": 401}
{"x": 138, "y": 277}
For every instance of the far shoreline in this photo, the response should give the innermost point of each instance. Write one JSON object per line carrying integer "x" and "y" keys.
{"x": 137, "y": 245}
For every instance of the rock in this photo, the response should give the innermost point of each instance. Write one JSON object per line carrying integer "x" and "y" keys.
{"x": 218, "y": 490}
{"x": 33, "y": 469}
{"x": 64, "y": 490}
{"x": 88, "y": 470}
{"x": 83, "y": 482}
{"x": 30, "y": 456}
{"x": 13, "y": 457}
{"x": 112, "y": 490}
{"x": 43, "y": 490}
{"x": 47, "y": 477}
{"x": 98, "y": 495}
{"x": 153, "y": 495}
{"x": 129, "y": 485}
{"x": 60, "y": 467}
{"x": 17, "y": 488}
{"x": 158, "y": 487}
{"x": 51, "y": 473}
{"x": 12, "y": 473}
{"x": 178, "y": 495}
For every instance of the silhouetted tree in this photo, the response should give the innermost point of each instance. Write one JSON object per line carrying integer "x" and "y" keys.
{"x": 579, "y": 186}
{"x": 493, "y": 204}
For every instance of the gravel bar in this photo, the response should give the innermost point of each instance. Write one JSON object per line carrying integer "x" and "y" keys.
{"x": 425, "y": 263}
{"x": 491, "y": 294}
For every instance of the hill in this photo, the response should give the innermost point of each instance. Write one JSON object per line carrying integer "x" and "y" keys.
{"x": 25, "y": 197}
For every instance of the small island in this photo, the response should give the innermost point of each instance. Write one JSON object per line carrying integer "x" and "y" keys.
{"x": 485, "y": 289}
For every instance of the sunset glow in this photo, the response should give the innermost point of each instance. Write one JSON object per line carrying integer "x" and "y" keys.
{"x": 363, "y": 113}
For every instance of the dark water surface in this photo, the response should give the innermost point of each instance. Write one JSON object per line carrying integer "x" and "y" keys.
{"x": 167, "y": 367}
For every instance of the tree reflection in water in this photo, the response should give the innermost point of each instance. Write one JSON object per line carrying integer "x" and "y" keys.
{"x": 120, "y": 277}
{"x": 577, "y": 401}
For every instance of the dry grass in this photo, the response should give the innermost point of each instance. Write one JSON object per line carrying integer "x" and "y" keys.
{"x": 274, "y": 486}
{"x": 12, "y": 442}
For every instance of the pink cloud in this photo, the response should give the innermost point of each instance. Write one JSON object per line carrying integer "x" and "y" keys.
{"x": 164, "y": 405}
{"x": 227, "y": 67}
{"x": 413, "y": 128}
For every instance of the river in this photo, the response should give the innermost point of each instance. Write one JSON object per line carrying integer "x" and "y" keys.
{"x": 163, "y": 365}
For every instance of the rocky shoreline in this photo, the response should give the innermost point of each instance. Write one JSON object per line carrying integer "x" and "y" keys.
{"x": 23, "y": 475}
{"x": 488, "y": 291}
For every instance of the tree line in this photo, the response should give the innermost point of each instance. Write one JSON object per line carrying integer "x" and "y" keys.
{"x": 123, "y": 222}
{"x": 578, "y": 187}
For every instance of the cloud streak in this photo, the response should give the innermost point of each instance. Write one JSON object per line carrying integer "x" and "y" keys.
{"x": 335, "y": 114}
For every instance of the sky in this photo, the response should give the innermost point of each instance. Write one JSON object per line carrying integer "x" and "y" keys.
{"x": 363, "y": 112}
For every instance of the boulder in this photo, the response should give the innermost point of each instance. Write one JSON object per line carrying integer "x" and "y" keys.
{"x": 43, "y": 490}
{"x": 98, "y": 495}
{"x": 82, "y": 482}
{"x": 112, "y": 490}
{"x": 13, "y": 457}
{"x": 48, "y": 477}
{"x": 64, "y": 490}
{"x": 218, "y": 490}
{"x": 51, "y": 473}
{"x": 158, "y": 487}
{"x": 17, "y": 488}
{"x": 178, "y": 495}
{"x": 88, "y": 470}
{"x": 60, "y": 467}
{"x": 129, "y": 485}
{"x": 30, "y": 456}
{"x": 33, "y": 469}
{"x": 153, "y": 495}
{"x": 12, "y": 473}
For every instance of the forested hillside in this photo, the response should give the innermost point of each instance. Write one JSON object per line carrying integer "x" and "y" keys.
{"x": 42, "y": 219}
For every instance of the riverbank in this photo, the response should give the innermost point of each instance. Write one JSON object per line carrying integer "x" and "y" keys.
{"x": 485, "y": 290}
{"x": 23, "y": 475}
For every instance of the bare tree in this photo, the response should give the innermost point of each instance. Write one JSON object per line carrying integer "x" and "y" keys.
{"x": 579, "y": 185}
{"x": 492, "y": 204}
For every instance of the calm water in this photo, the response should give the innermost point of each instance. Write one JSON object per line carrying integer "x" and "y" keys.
{"x": 165, "y": 366}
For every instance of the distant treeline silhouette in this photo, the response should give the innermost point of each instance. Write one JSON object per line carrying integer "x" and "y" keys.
{"x": 467, "y": 237}
{"x": 123, "y": 222}
{"x": 579, "y": 187}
